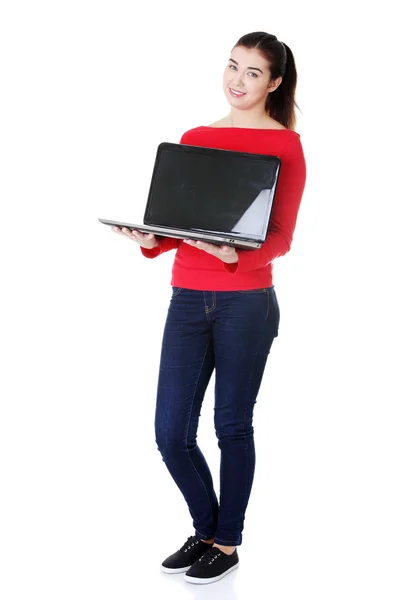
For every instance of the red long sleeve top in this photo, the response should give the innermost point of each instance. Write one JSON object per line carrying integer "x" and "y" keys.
{"x": 194, "y": 268}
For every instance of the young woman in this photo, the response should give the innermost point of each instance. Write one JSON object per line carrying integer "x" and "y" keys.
{"x": 224, "y": 313}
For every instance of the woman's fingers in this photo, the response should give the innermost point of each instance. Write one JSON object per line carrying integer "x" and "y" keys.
{"x": 211, "y": 248}
{"x": 225, "y": 253}
{"x": 142, "y": 239}
{"x": 133, "y": 235}
{"x": 124, "y": 231}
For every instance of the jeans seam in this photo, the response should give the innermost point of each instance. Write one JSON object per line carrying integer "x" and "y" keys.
{"x": 190, "y": 417}
{"x": 178, "y": 291}
{"x": 208, "y": 310}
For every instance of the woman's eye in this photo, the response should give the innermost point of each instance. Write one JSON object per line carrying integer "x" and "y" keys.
{"x": 250, "y": 72}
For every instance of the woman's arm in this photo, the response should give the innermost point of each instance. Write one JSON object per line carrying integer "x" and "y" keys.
{"x": 164, "y": 244}
{"x": 284, "y": 213}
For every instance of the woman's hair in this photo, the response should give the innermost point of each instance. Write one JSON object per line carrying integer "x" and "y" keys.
{"x": 280, "y": 103}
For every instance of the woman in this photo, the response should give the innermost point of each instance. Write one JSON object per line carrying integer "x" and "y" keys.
{"x": 224, "y": 313}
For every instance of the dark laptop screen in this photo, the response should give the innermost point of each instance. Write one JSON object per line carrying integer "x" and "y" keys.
{"x": 212, "y": 190}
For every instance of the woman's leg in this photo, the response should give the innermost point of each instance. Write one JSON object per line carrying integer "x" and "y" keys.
{"x": 245, "y": 325}
{"x": 186, "y": 365}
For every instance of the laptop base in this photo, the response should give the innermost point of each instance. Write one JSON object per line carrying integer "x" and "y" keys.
{"x": 190, "y": 235}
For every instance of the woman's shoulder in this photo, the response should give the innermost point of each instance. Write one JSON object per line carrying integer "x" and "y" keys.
{"x": 266, "y": 124}
{"x": 220, "y": 123}
{"x": 221, "y": 129}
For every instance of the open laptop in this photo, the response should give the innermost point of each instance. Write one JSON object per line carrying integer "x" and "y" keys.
{"x": 219, "y": 196}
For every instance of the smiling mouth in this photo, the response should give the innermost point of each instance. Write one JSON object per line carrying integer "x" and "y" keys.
{"x": 234, "y": 92}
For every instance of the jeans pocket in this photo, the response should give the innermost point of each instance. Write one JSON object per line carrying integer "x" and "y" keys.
{"x": 175, "y": 291}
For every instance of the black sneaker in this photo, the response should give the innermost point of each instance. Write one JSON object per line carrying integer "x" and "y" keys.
{"x": 212, "y": 566}
{"x": 182, "y": 559}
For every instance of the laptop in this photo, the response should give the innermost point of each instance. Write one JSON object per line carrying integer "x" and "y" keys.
{"x": 218, "y": 196}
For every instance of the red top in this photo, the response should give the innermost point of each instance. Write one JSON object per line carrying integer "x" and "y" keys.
{"x": 194, "y": 268}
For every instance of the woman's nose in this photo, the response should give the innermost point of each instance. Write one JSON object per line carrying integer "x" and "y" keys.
{"x": 239, "y": 82}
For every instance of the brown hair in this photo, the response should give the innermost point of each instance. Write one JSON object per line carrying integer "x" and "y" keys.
{"x": 281, "y": 102}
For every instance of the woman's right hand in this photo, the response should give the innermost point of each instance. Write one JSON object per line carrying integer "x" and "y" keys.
{"x": 146, "y": 240}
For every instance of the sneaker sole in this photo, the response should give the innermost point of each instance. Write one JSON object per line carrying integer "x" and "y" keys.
{"x": 180, "y": 570}
{"x": 201, "y": 580}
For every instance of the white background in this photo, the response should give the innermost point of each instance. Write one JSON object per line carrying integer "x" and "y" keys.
{"x": 87, "y": 507}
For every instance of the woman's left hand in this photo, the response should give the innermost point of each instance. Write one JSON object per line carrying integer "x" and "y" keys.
{"x": 225, "y": 253}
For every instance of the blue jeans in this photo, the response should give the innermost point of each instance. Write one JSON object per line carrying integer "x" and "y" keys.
{"x": 233, "y": 333}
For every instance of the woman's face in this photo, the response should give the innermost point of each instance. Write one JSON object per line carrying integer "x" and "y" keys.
{"x": 247, "y": 71}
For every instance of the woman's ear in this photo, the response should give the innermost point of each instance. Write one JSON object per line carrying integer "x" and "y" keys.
{"x": 274, "y": 84}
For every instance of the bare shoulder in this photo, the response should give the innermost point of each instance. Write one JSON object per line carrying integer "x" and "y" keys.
{"x": 267, "y": 124}
{"x": 272, "y": 124}
{"x": 277, "y": 125}
{"x": 221, "y": 123}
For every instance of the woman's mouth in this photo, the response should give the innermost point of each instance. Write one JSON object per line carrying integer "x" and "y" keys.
{"x": 235, "y": 93}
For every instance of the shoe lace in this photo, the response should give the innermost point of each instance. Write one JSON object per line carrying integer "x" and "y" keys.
{"x": 191, "y": 541}
{"x": 210, "y": 555}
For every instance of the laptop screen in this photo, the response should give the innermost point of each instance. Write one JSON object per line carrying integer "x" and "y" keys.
{"x": 209, "y": 189}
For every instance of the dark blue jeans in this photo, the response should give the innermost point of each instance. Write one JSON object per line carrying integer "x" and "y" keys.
{"x": 233, "y": 333}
